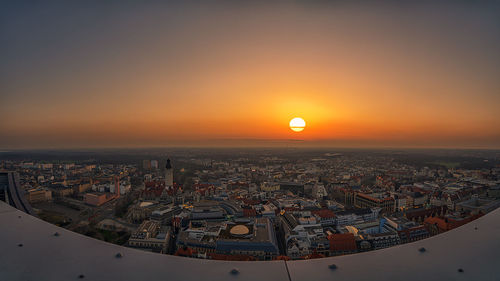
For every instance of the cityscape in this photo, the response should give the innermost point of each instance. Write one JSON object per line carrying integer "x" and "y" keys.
{"x": 277, "y": 140}
{"x": 258, "y": 204}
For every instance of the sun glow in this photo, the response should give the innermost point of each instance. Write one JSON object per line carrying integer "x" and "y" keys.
{"x": 297, "y": 124}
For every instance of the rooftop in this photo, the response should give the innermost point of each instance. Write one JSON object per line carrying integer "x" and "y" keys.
{"x": 239, "y": 230}
{"x": 32, "y": 251}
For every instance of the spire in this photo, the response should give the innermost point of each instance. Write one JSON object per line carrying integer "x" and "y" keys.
{"x": 168, "y": 166}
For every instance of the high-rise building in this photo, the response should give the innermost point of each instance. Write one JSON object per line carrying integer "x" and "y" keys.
{"x": 169, "y": 175}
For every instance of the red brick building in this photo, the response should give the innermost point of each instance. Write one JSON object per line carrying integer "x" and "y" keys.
{"x": 342, "y": 243}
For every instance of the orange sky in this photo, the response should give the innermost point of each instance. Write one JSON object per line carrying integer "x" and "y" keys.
{"x": 156, "y": 75}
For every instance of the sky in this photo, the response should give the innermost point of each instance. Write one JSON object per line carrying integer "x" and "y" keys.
{"x": 77, "y": 74}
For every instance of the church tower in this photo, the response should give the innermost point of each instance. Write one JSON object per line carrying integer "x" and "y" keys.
{"x": 169, "y": 175}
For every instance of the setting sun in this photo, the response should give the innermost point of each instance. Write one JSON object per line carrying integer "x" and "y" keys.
{"x": 297, "y": 124}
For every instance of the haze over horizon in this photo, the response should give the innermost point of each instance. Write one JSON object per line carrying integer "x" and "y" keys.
{"x": 129, "y": 74}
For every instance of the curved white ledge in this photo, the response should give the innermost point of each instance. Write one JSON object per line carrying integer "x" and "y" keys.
{"x": 44, "y": 256}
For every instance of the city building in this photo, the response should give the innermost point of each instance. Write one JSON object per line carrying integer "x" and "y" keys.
{"x": 141, "y": 210}
{"x": 303, "y": 235}
{"x": 169, "y": 176}
{"x": 253, "y": 237}
{"x": 150, "y": 236}
{"x": 36, "y": 195}
{"x": 437, "y": 225}
{"x": 206, "y": 212}
{"x": 342, "y": 243}
{"x": 353, "y": 216}
{"x": 97, "y": 199}
{"x": 269, "y": 186}
{"x": 362, "y": 200}
{"x": 373, "y": 235}
{"x": 165, "y": 215}
{"x": 477, "y": 205}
